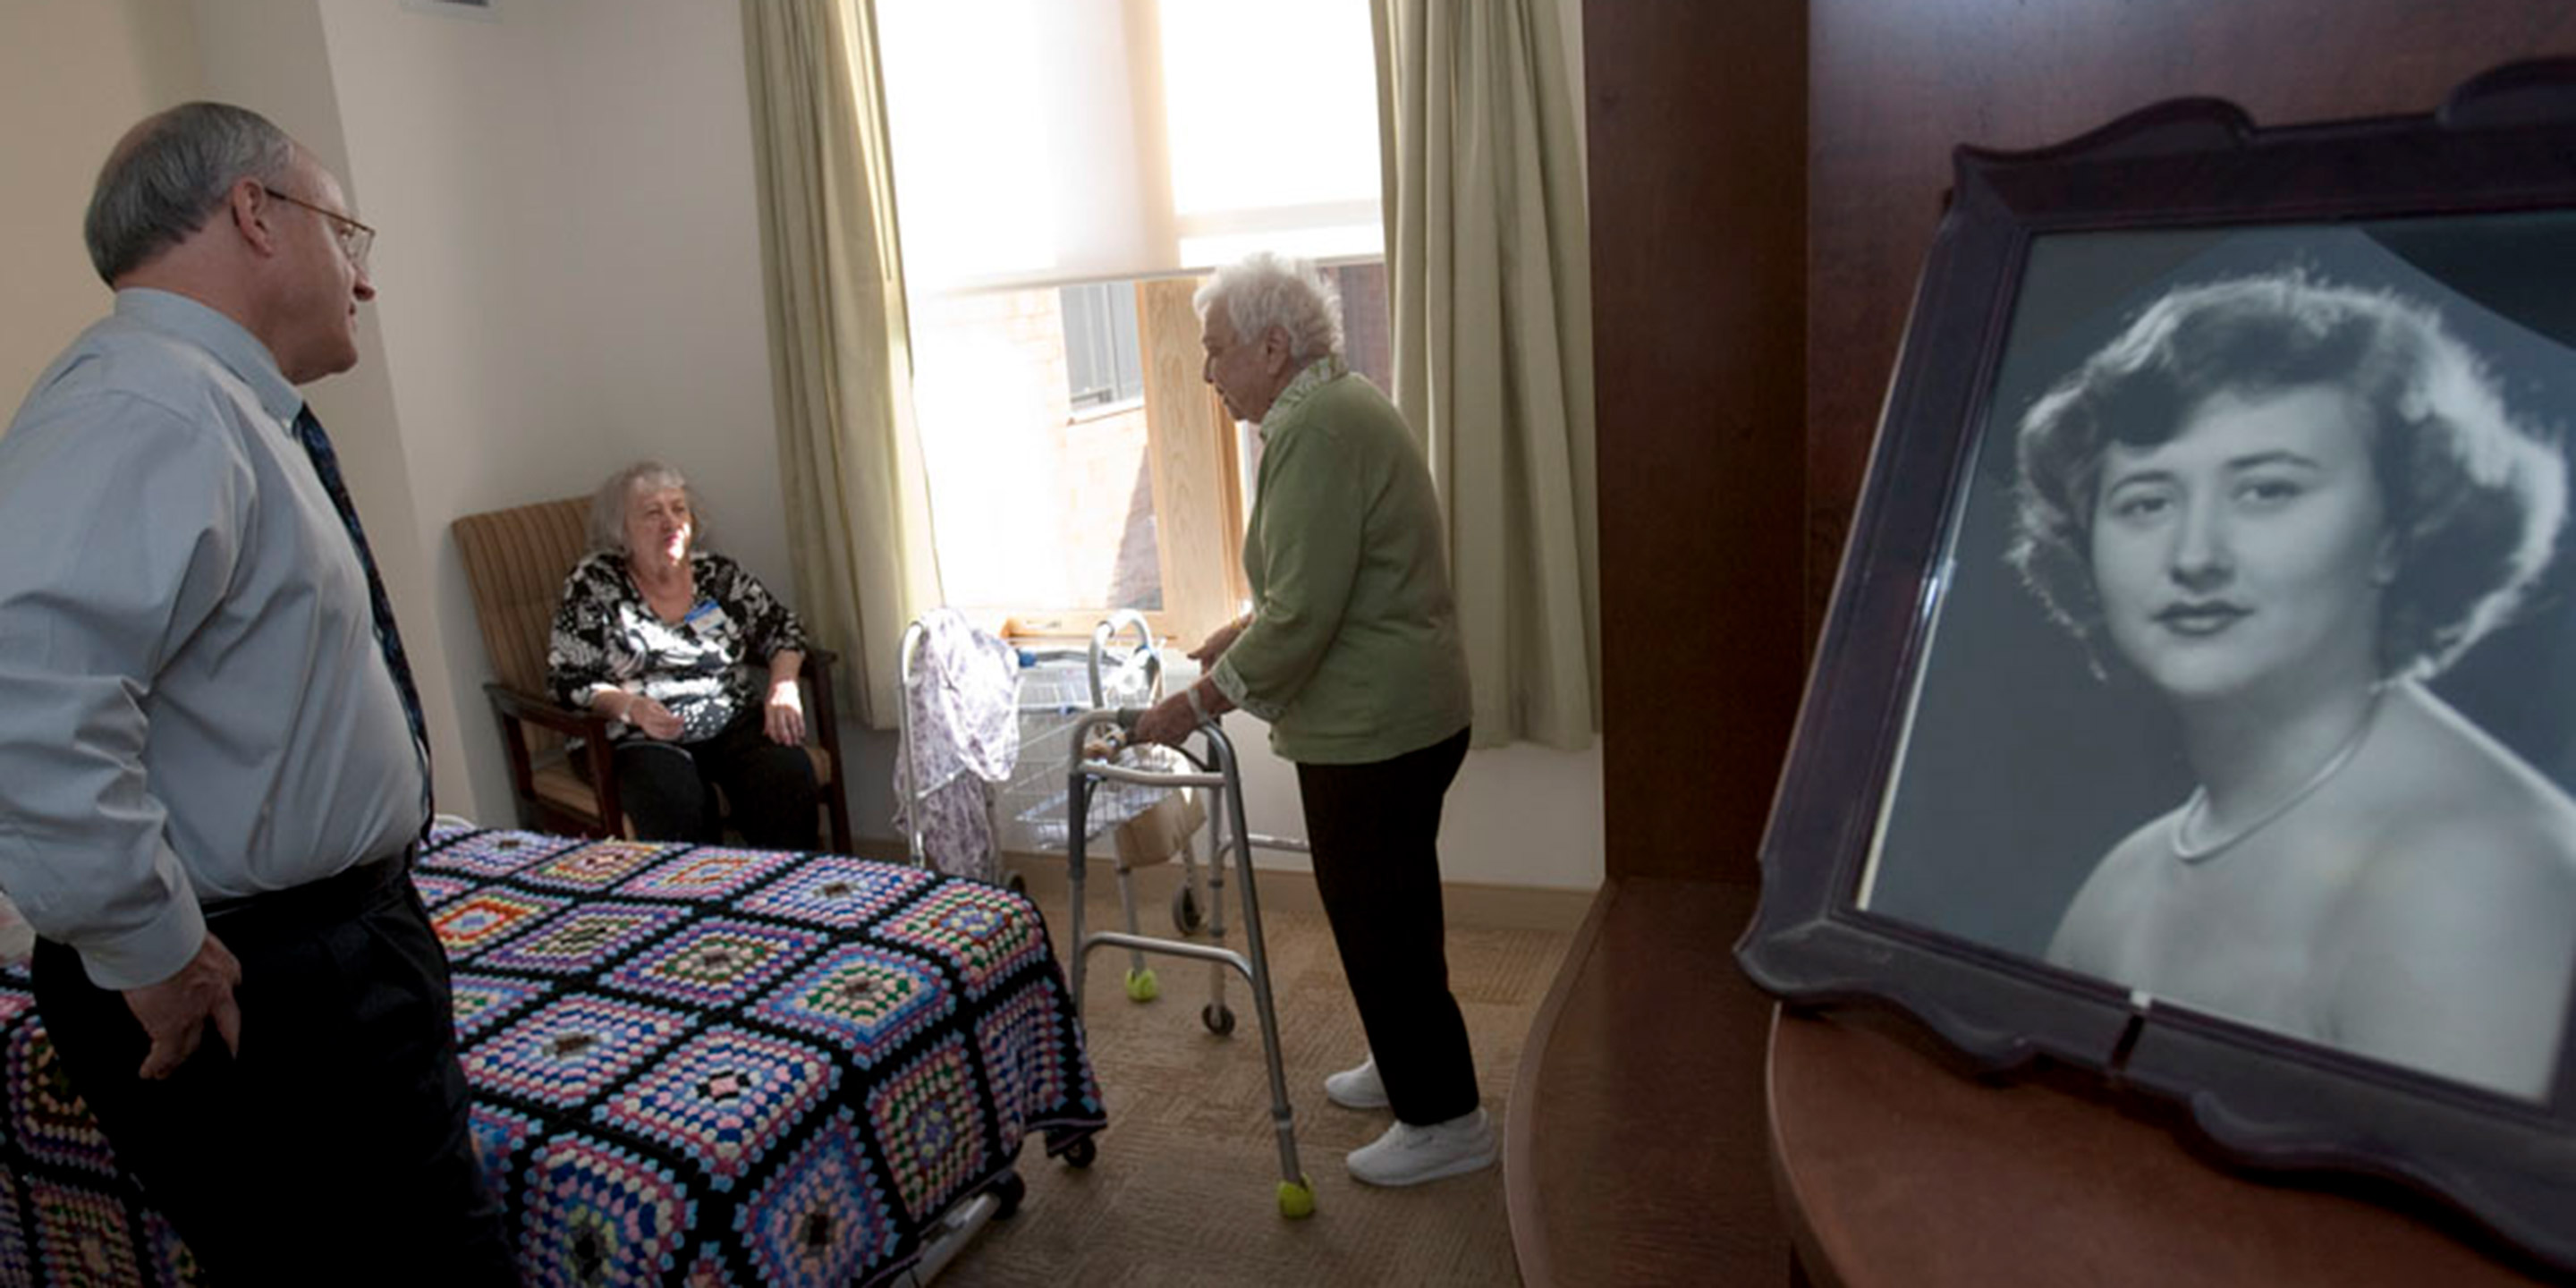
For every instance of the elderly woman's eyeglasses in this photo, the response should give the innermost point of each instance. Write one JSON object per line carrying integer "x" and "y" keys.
{"x": 354, "y": 237}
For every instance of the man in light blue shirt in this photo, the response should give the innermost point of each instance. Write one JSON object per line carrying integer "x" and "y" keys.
{"x": 210, "y": 757}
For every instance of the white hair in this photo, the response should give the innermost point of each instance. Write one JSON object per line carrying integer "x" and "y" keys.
{"x": 1265, "y": 289}
{"x": 608, "y": 504}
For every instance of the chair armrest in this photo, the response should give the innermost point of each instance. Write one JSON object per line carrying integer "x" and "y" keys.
{"x": 819, "y": 712}
{"x": 518, "y": 705}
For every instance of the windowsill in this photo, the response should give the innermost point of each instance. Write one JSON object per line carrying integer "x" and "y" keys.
{"x": 1104, "y": 411}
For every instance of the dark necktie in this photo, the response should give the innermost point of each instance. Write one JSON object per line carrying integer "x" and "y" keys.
{"x": 326, "y": 463}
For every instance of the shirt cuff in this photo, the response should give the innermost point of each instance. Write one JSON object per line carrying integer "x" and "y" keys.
{"x": 1231, "y": 685}
{"x": 150, "y": 953}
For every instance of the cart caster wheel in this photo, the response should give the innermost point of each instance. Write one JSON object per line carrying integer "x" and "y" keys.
{"x": 1218, "y": 1019}
{"x": 1142, "y": 986}
{"x": 1007, "y": 1193}
{"x": 1297, "y": 1199}
{"x": 1081, "y": 1152}
{"x": 1185, "y": 910}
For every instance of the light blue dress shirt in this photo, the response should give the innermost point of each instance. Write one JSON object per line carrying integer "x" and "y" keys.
{"x": 192, "y": 702}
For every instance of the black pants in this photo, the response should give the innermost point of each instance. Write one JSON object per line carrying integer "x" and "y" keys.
{"x": 333, "y": 1149}
{"x": 669, "y": 788}
{"x": 1374, "y": 832}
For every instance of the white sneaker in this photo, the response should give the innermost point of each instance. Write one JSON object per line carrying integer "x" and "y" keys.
{"x": 1410, "y": 1155}
{"x": 1358, "y": 1088}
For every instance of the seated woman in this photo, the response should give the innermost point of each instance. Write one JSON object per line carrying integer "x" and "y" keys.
{"x": 2286, "y": 504}
{"x": 663, "y": 638}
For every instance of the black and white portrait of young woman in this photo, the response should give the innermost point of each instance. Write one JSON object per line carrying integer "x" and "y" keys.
{"x": 2250, "y": 682}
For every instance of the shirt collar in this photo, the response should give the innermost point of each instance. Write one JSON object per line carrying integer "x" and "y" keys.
{"x": 235, "y": 347}
{"x": 1322, "y": 371}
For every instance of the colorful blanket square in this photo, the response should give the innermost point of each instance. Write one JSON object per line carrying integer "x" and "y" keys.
{"x": 435, "y": 890}
{"x": 589, "y": 935}
{"x": 865, "y": 1000}
{"x": 480, "y": 920}
{"x": 499, "y": 1134}
{"x": 598, "y": 1213}
{"x": 482, "y": 1001}
{"x": 595, "y": 866}
{"x": 984, "y": 931}
{"x": 724, "y": 1098}
{"x": 46, "y": 1117}
{"x": 842, "y": 893}
{"x": 14, "y": 1003}
{"x": 173, "y": 1264}
{"x": 569, "y": 1050}
{"x": 495, "y": 854}
{"x": 1026, "y": 1058}
{"x": 708, "y": 872}
{"x": 708, "y": 1271}
{"x": 931, "y": 1127}
{"x": 716, "y": 963}
{"x": 82, "y": 1235}
{"x": 17, "y": 1264}
{"x": 823, "y": 1219}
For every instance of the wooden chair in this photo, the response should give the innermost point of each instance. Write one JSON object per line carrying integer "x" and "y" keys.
{"x": 516, "y": 561}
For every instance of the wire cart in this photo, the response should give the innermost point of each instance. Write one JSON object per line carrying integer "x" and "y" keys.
{"x": 1217, "y": 773}
{"x": 1026, "y": 811}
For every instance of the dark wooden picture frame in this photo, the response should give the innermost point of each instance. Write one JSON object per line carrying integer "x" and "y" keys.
{"x": 1979, "y": 746}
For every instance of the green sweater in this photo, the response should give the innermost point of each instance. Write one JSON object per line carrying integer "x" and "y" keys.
{"x": 1352, "y": 654}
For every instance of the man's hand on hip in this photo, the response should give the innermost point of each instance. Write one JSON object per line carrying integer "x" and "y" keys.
{"x": 174, "y": 1012}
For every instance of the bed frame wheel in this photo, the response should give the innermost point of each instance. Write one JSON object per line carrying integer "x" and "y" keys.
{"x": 1081, "y": 1152}
{"x": 1185, "y": 910}
{"x": 1218, "y": 1018}
{"x": 1007, "y": 1193}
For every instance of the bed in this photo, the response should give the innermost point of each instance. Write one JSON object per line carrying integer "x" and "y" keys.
{"x": 690, "y": 1064}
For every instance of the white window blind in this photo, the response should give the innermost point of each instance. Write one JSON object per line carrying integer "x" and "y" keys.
{"x": 1045, "y": 142}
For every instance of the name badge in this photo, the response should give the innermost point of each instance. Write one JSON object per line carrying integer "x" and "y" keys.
{"x": 706, "y": 620}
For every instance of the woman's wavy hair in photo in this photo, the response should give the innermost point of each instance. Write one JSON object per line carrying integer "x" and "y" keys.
{"x": 2474, "y": 497}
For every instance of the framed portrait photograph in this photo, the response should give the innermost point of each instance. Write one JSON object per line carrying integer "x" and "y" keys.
{"x": 2198, "y": 702}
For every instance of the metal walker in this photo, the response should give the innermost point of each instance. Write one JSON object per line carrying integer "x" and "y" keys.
{"x": 1221, "y": 777}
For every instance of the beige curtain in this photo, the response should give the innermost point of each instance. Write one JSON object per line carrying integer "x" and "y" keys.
{"x": 858, "y": 512}
{"x": 1489, "y": 265}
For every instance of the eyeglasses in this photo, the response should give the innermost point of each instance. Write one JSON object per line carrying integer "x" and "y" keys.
{"x": 354, "y": 237}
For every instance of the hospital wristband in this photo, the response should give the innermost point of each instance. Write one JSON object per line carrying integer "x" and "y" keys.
{"x": 1196, "y": 707}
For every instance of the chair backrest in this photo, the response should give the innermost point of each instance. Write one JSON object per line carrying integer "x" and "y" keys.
{"x": 516, "y": 561}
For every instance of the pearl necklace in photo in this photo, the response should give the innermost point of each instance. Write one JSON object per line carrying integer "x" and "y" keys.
{"x": 2197, "y": 808}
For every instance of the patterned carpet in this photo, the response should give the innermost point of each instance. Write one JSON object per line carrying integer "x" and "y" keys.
{"x": 1184, "y": 1188}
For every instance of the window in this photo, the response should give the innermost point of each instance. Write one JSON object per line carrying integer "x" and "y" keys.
{"x": 1101, "y": 366}
{"x": 1063, "y": 168}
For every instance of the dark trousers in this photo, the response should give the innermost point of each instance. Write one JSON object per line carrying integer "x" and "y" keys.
{"x": 333, "y": 1149}
{"x": 1374, "y": 831}
{"x": 669, "y": 788}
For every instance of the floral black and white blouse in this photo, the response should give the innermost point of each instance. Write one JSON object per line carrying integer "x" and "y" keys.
{"x": 706, "y": 669}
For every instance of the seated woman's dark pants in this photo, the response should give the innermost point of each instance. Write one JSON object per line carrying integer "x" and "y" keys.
{"x": 669, "y": 788}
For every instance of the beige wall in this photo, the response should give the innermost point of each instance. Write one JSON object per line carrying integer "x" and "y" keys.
{"x": 569, "y": 278}
{"x": 73, "y": 75}
{"x": 569, "y": 270}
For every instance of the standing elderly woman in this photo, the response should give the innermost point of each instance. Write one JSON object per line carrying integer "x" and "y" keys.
{"x": 693, "y": 661}
{"x": 1351, "y": 653}
{"x": 2286, "y": 504}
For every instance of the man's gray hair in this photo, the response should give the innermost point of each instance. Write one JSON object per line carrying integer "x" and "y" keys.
{"x": 158, "y": 188}
{"x": 608, "y": 504}
{"x": 1265, "y": 289}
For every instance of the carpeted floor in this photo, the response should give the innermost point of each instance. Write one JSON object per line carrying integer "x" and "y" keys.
{"x": 1183, "y": 1190}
